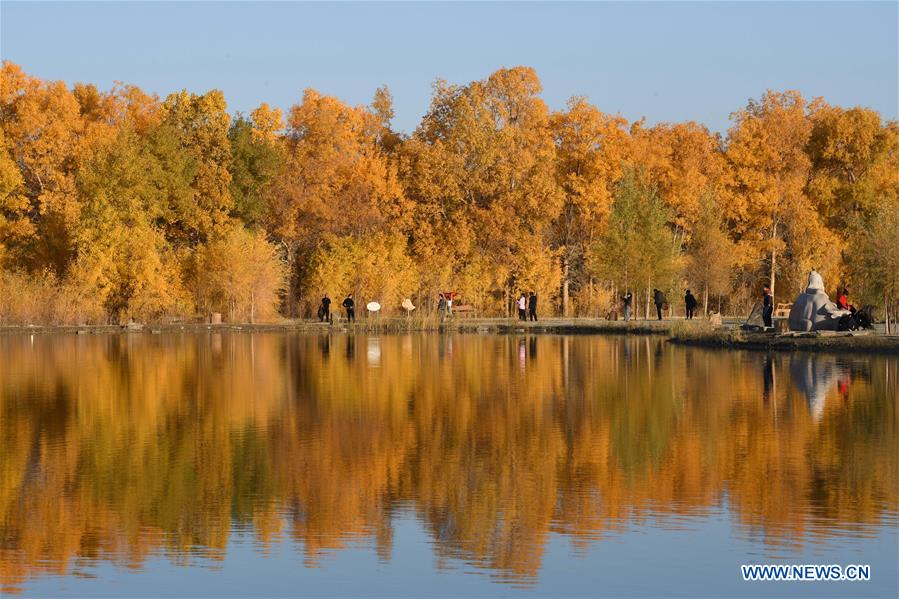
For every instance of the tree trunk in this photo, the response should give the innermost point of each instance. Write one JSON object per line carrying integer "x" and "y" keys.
{"x": 565, "y": 289}
{"x": 615, "y": 299}
{"x": 705, "y": 300}
{"x": 648, "y": 293}
{"x": 291, "y": 300}
{"x": 592, "y": 303}
{"x": 886, "y": 312}
{"x": 773, "y": 259}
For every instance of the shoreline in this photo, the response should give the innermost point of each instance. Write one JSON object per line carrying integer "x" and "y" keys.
{"x": 855, "y": 342}
{"x": 676, "y": 332}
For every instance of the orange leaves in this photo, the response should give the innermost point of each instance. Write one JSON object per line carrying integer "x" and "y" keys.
{"x": 337, "y": 178}
{"x": 267, "y": 123}
{"x": 491, "y": 191}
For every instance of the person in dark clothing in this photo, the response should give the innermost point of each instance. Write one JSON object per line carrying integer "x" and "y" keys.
{"x": 532, "y": 307}
{"x": 350, "y": 306}
{"x": 441, "y": 307}
{"x": 690, "y": 302}
{"x": 628, "y": 299}
{"x": 659, "y": 299}
{"x": 324, "y": 311}
{"x": 767, "y": 306}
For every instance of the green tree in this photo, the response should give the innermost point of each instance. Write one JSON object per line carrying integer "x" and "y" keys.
{"x": 637, "y": 247}
{"x": 710, "y": 252}
{"x": 256, "y": 158}
{"x": 874, "y": 258}
{"x": 195, "y": 128}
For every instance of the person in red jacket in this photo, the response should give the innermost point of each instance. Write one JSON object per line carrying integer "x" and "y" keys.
{"x": 843, "y": 299}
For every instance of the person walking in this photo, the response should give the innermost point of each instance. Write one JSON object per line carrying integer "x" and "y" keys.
{"x": 532, "y": 307}
{"x": 449, "y": 305}
{"x": 522, "y": 307}
{"x": 659, "y": 299}
{"x": 767, "y": 306}
{"x": 628, "y": 300}
{"x": 691, "y": 303}
{"x": 324, "y": 311}
{"x": 350, "y": 307}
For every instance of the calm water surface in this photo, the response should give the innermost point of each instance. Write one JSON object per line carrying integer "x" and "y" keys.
{"x": 283, "y": 464}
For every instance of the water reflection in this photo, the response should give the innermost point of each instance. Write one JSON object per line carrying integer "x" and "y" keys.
{"x": 125, "y": 447}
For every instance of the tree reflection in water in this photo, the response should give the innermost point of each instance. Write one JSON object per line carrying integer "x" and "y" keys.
{"x": 126, "y": 446}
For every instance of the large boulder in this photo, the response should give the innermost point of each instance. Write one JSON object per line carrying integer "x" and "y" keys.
{"x": 813, "y": 310}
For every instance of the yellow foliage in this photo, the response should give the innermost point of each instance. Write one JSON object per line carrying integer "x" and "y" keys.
{"x": 372, "y": 268}
{"x": 241, "y": 275}
{"x": 491, "y": 193}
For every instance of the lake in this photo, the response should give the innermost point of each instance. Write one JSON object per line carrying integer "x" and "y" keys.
{"x": 235, "y": 463}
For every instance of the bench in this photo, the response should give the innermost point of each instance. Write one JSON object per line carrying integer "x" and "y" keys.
{"x": 464, "y": 309}
{"x": 782, "y": 310}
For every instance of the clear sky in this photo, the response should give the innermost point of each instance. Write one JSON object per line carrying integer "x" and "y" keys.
{"x": 667, "y": 61}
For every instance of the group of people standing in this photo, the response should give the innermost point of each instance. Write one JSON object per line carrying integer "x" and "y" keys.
{"x": 445, "y": 306}
{"x": 349, "y": 306}
{"x": 527, "y": 306}
{"x": 658, "y": 298}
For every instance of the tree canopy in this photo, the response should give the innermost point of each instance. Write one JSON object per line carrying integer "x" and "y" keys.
{"x": 126, "y": 205}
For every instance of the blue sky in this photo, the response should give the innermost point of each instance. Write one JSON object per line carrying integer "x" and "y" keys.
{"x": 668, "y": 61}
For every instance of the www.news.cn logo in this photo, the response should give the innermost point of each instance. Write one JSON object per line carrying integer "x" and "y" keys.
{"x": 805, "y": 572}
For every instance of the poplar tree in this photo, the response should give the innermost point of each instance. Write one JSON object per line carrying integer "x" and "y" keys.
{"x": 636, "y": 247}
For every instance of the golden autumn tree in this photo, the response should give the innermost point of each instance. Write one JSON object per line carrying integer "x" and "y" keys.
{"x": 42, "y": 127}
{"x": 123, "y": 260}
{"x": 485, "y": 153}
{"x": 684, "y": 161}
{"x": 852, "y": 155}
{"x": 336, "y": 180}
{"x": 15, "y": 226}
{"x": 591, "y": 148}
{"x": 241, "y": 274}
{"x": 769, "y": 168}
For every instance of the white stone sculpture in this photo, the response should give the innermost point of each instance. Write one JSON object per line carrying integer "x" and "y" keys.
{"x": 813, "y": 310}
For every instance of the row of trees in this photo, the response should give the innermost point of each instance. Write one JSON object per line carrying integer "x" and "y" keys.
{"x": 121, "y": 205}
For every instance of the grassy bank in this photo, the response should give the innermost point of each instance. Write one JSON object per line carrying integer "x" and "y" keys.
{"x": 569, "y": 326}
{"x": 696, "y": 333}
